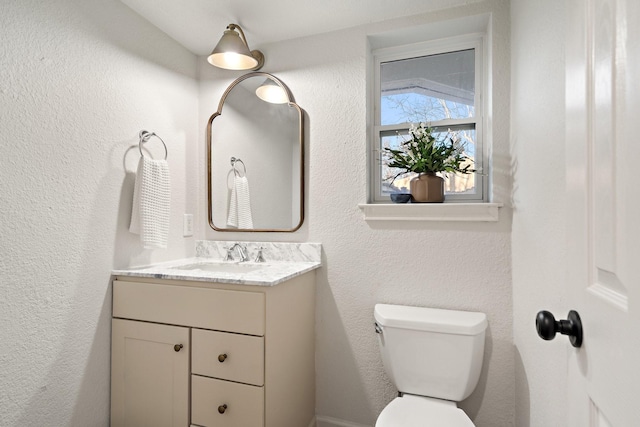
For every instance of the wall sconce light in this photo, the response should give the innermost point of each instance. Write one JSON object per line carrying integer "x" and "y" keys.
{"x": 270, "y": 91}
{"x": 232, "y": 52}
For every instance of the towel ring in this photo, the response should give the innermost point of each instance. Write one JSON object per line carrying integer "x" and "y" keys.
{"x": 235, "y": 160}
{"x": 145, "y": 136}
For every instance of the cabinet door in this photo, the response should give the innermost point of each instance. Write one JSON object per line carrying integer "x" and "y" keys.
{"x": 149, "y": 375}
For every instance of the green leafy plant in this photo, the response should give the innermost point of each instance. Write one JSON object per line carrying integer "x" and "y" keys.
{"x": 424, "y": 153}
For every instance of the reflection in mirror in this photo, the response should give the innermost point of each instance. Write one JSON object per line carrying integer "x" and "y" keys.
{"x": 256, "y": 157}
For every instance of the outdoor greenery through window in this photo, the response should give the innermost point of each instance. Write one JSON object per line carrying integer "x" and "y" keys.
{"x": 438, "y": 85}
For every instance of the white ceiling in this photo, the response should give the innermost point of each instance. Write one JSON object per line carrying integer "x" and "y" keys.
{"x": 198, "y": 24}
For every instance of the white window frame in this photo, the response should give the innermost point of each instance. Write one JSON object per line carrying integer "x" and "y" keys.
{"x": 474, "y": 41}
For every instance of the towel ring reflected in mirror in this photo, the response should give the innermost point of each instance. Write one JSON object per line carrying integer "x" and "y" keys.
{"x": 263, "y": 126}
{"x": 236, "y": 172}
{"x": 145, "y": 136}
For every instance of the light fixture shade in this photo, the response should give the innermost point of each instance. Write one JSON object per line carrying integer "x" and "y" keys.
{"x": 270, "y": 91}
{"x": 232, "y": 52}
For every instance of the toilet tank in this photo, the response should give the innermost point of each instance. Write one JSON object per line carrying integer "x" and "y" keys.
{"x": 431, "y": 352}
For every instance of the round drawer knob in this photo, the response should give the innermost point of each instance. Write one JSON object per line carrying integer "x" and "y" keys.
{"x": 222, "y": 408}
{"x": 178, "y": 347}
{"x": 222, "y": 358}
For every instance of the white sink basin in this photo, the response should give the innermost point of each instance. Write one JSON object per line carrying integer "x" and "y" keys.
{"x": 219, "y": 267}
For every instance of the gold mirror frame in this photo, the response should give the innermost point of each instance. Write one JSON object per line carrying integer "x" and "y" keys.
{"x": 291, "y": 102}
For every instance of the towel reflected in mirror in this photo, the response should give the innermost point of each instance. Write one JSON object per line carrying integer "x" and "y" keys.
{"x": 239, "y": 215}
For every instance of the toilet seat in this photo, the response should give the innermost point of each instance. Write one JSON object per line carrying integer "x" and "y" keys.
{"x": 420, "y": 411}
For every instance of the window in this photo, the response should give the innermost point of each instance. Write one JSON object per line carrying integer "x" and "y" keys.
{"x": 439, "y": 83}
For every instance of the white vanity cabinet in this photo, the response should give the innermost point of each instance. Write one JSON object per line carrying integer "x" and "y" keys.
{"x": 192, "y": 353}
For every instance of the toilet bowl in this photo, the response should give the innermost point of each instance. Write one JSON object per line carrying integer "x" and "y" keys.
{"x": 434, "y": 358}
{"x": 414, "y": 411}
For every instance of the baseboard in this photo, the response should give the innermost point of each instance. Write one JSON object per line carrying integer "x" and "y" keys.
{"x": 322, "y": 421}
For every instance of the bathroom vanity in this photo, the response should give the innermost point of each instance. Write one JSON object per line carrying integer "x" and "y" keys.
{"x": 201, "y": 343}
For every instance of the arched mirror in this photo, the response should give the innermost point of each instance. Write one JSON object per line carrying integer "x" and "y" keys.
{"x": 255, "y": 157}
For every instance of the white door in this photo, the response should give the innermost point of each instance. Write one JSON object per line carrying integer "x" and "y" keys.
{"x": 603, "y": 178}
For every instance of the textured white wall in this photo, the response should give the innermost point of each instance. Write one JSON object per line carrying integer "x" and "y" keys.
{"x": 461, "y": 266}
{"x": 538, "y": 241}
{"x": 78, "y": 80}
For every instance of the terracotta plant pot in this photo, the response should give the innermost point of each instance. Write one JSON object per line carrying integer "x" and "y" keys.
{"x": 427, "y": 188}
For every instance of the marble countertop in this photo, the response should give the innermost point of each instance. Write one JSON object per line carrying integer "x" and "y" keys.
{"x": 284, "y": 261}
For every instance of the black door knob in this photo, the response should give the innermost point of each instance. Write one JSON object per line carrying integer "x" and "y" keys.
{"x": 547, "y": 327}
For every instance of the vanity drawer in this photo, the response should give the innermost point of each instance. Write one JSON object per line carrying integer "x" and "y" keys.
{"x": 226, "y": 310}
{"x": 228, "y": 356}
{"x": 245, "y": 403}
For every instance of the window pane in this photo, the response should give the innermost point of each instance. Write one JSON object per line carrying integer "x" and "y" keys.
{"x": 428, "y": 88}
{"x": 395, "y": 181}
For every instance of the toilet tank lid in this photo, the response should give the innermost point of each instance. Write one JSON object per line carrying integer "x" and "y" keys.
{"x": 430, "y": 319}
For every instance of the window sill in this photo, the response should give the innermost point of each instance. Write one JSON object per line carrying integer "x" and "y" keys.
{"x": 461, "y": 212}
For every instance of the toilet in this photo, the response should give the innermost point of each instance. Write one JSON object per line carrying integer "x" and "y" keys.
{"x": 434, "y": 358}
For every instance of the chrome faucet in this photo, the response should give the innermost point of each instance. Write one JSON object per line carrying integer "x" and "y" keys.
{"x": 242, "y": 252}
{"x": 259, "y": 256}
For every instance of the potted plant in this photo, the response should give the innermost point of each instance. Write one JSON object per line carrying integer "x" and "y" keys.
{"x": 426, "y": 155}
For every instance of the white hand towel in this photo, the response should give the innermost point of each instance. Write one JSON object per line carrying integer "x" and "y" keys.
{"x": 151, "y": 203}
{"x": 239, "y": 215}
